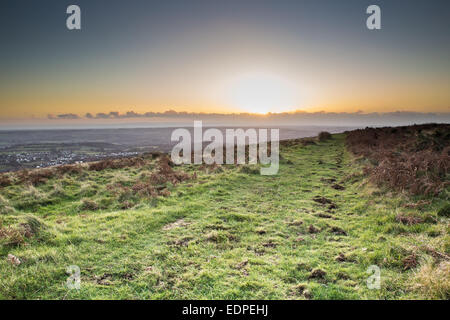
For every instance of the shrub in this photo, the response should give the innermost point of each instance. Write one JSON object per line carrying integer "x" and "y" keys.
{"x": 5, "y": 181}
{"x": 155, "y": 155}
{"x": 324, "y": 135}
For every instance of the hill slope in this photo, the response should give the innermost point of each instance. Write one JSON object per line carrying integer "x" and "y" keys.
{"x": 310, "y": 232}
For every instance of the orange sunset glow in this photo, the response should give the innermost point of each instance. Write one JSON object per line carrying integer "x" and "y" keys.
{"x": 268, "y": 62}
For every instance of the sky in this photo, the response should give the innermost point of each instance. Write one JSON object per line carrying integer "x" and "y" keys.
{"x": 229, "y": 56}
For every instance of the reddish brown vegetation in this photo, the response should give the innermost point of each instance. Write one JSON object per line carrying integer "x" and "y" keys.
{"x": 144, "y": 189}
{"x": 5, "y": 181}
{"x": 408, "y": 220}
{"x": 12, "y": 236}
{"x": 39, "y": 176}
{"x": 156, "y": 183}
{"x": 35, "y": 177}
{"x": 116, "y": 163}
{"x": 410, "y": 262}
{"x": 313, "y": 229}
{"x": 15, "y": 235}
{"x": 165, "y": 173}
{"x": 69, "y": 169}
{"x": 418, "y": 205}
{"x": 415, "y": 159}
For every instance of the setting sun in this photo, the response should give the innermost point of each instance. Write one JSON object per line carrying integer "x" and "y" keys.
{"x": 262, "y": 93}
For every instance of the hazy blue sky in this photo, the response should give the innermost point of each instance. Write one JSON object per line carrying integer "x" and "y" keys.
{"x": 223, "y": 56}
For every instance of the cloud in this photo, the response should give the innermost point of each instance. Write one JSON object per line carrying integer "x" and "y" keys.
{"x": 63, "y": 116}
{"x": 132, "y": 114}
{"x": 102, "y": 116}
{"x": 296, "y": 118}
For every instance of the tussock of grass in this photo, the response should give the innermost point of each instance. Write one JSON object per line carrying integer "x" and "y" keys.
{"x": 33, "y": 193}
{"x": 20, "y": 229}
{"x": 432, "y": 280}
{"x": 5, "y": 207}
{"x": 88, "y": 205}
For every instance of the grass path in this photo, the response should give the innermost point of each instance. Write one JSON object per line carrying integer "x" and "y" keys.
{"x": 236, "y": 235}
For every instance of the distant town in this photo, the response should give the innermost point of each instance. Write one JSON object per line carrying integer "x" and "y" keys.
{"x": 13, "y": 158}
{"x": 31, "y": 149}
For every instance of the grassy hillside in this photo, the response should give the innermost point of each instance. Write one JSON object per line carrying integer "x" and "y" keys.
{"x": 140, "y": 229}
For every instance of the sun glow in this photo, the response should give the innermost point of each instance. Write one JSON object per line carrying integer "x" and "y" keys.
{"x": 262, "y": 93}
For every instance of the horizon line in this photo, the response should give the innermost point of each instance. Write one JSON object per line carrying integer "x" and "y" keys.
{"x": 113, "y": 115}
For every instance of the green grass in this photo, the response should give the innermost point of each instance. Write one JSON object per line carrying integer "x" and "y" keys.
{"x": 229, "y": 234}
